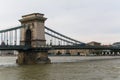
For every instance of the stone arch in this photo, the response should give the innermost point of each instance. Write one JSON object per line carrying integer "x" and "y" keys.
{"x": 59, "y": 53}
{"x": 78, "y": 53}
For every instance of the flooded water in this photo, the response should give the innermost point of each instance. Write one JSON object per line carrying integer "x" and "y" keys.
{"x": 62, "y": 68}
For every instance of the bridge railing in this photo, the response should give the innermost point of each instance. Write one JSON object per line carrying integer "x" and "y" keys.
{"x": 10, "y": 36}
{"x": 55, "y": 38}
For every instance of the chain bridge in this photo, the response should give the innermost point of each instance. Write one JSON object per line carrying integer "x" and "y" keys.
{"x": 33, "y": 40}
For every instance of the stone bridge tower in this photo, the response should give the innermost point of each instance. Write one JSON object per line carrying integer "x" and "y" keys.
{"x": 34, "y": 30}
{"x": 32, "y": 35}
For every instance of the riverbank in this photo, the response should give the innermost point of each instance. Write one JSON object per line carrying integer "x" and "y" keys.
{"x": 61, "y": 59}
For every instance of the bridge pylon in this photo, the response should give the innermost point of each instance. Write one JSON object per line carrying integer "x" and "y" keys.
{"x": 33, "y": 36}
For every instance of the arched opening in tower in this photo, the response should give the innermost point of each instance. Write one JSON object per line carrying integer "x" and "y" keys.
{"x": 28, "y": 37}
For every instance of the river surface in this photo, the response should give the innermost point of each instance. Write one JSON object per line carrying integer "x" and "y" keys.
{"x": 62, "y": 68}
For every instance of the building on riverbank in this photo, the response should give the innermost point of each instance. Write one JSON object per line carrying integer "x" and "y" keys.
{"x": 77, "y": 52}
{"x": 93, "y": 43}
{"x": 8, "y": 53}
{"x": 116, "y": 44}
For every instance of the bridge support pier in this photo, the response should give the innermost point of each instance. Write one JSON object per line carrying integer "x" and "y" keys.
{"x": 32, "y": 57}
{"x": 33, "y": 36}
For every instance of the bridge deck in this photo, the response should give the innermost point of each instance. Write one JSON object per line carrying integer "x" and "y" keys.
{"x": 23, "y": 48}
{"x": 86, "y": 47}
{"x": 20, "y": 47}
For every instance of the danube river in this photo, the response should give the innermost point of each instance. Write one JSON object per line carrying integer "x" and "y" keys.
{"x": 62, "y": 68}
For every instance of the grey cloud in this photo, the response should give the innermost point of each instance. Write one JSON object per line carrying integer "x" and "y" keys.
{"x": 79, "y": 18}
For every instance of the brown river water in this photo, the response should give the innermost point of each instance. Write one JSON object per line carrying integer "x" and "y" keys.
{"x": 62, "y": 68}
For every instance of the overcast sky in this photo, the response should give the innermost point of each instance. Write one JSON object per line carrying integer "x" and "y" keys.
{"x": 84, "y": 20}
